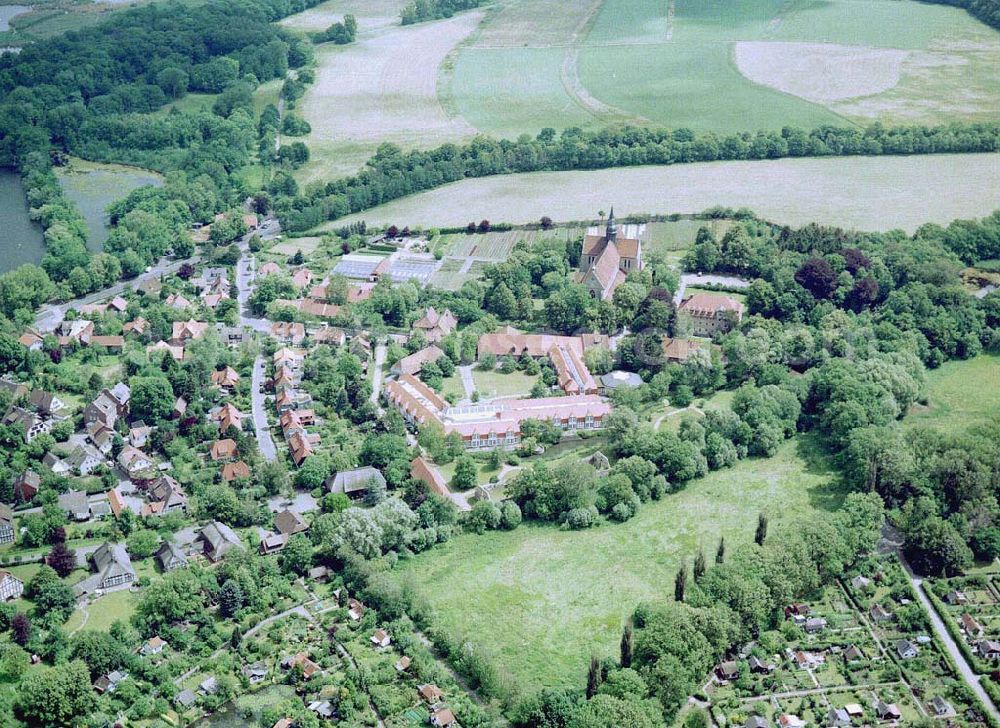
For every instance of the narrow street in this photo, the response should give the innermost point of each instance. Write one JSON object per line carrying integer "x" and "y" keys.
{"x": 257, "y": 403}
{"x": 50, "y": 316}
{"x": 966, "y": 671}
{"x": 380, "y": 351}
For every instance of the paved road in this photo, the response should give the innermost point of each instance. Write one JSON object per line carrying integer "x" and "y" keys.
{"x": 691, "y": 279}
{"x": 264, "y": 440}
{"x": 380, "y": 351}
{"x": 467, "y": 382}
{"x": 967, "y": 673}
{"x": 51, "y": 315}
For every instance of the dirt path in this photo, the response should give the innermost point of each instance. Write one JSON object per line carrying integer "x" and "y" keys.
{"x": 459, "y": 680}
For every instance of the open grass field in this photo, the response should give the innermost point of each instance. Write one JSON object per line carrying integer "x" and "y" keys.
{"x": 495, "y": 384}
{"x": 960, "y": 394}
{"x": 542, "y": 600}
{"x": 118, "y": 605}
{"x": 853, "y": 192}
{"x": 92, "y": 187}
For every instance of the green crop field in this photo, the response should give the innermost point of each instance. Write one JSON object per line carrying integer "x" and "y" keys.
{"x": 541, "y": 600}
{"x": 723, "y": 67}
{"x": 859, "y": 192}
{"x": 518, "y": 66}
{"x": 959, "y": 394}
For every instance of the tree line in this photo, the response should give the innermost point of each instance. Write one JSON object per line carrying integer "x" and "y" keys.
{"x": 988, "y": 11}
{"x": 421, "y": 10}
{"x": 392, "y": 173}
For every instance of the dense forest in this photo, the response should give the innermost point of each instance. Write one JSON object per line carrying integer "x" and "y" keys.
{"x": 987, "y": 11}
{"x": 97, "y": 93}
{"x": 392, "y": 173}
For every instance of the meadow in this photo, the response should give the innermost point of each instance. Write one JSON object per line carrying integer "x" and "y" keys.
{"x": 959, "y": 395}
{"x": 541, "y": 600}
{"x": 724, "y": 68}
{"x": 854, "y": 192}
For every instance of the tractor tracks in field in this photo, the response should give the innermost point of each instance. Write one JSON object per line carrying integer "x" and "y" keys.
{"x": 569, "y": 74}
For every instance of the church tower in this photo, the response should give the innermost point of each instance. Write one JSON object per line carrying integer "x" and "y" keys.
{"x": 611, "y": 233}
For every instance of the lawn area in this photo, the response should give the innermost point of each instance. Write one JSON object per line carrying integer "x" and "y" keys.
{"x": 542, "y": 600}
{"x": 452, "y": 385}
{"x": 483, "y": 473}
{"x": 495, "y": 384}
{"x": 959, "y": 394}
{"x": 106, "y": 610}
{"x": 853, "y": 192}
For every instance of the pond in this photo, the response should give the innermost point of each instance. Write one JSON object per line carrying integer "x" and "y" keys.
{"x": 21, "y": 239}
{"x": 92, "y": 187}
{"x": 229, "y": 715}
{"x": 8, "y": 12}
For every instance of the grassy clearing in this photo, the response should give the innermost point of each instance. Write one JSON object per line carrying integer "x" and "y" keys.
{"x": 854, "y": 192}
{"x": 92, "y": 187}
{"x": 542, "y": 600}
{"x": 676, "y": 236}
{"x": 370, "y": 14}
{"x": 495, "y": 384}
{"x": 959, "y": 394}
{"x": 104, "y": 612}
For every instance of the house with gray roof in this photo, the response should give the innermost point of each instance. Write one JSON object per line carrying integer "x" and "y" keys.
{"x": 218, "y": 539}
{"x": 6, "y": 524}
{"x": 75, "y": 505}
{"x": 112, "y": 570}
{"x": 170, "y": 556}
{"x": 353, "y": 482}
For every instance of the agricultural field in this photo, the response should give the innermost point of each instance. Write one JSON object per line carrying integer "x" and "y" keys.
{"x": 381, "y": 88}
{"x": 93, "y": 186}
{"x": 546, "y": 599}
{"x": 522, "y": 65}
{"x": 953, "y": 402}
{"x": 853, "y": 192}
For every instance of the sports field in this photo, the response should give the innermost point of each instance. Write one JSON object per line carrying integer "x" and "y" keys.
{"x": 518, "y": 66}
{"x": 859, "y": 192}
{"x": 542, "y": 600}
{"x": 960, "y": 394}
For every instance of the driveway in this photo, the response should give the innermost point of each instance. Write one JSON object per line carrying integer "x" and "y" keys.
{"x": 264, "y": 440}
{"x": 300, "y": 503}
{"x": 465, "y": 373}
